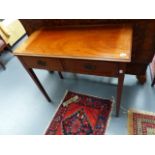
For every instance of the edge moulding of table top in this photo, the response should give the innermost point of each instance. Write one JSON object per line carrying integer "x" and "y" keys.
{"x": 103, "y": 51}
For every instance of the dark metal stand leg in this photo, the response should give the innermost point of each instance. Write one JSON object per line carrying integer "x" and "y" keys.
{"x": 36, "y": 80}
{"x": 119, "y": 92}
{"x": 60, "y": 75}
{"x": 3, "y": 66}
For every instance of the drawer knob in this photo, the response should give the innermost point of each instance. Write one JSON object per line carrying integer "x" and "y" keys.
{"x": 121, "y": 71}
{"x": 89, "y": 67}
{"x": 41, "y": 63}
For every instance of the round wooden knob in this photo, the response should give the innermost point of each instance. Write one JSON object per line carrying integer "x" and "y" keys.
{"x": 120, "y": 71}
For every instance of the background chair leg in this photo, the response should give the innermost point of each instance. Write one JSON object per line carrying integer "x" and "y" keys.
{"x": 153, "y": 82}
{"x": 141, "y": 79}
{"x": 9, "y": 48}
{"x": 60, "y": 75}
{"x": 3, "y": 66}
{"x": 51, "y": 72}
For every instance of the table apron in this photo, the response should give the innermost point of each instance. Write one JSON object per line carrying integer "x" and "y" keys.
{"x": 92, "y": 67}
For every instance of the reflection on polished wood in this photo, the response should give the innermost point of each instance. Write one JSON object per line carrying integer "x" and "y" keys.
{"x": 103, "y": 43}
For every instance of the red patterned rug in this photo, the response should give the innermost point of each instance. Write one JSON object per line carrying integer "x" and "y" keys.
{"x": 80, "y": 114}
{"x": 141, "y": 123}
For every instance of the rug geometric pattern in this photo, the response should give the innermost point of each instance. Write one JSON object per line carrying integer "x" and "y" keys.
{"x": 80, "y": 114}
{"x": 141, "y": 123}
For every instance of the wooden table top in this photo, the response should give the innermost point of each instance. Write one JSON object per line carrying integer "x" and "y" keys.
{"x": 102, "y": 43}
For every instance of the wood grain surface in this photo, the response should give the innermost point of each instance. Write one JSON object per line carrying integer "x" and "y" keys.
{"x": 101, "y": 43}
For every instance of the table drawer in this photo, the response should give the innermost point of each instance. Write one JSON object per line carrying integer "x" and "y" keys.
{"x": 91, "y": 67}
{"x": 42, "y": 63}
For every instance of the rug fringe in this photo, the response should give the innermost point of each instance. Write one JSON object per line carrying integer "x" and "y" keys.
{"x": 87, "y": 94}
{"x": 109, "y": 119}
{"x": 61, "y": 101}
{"x": 142, "y": 111}
{"x": 130, "y": 122}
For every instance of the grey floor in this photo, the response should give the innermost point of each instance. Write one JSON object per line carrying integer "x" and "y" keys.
{"x": 24, "y": 110}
